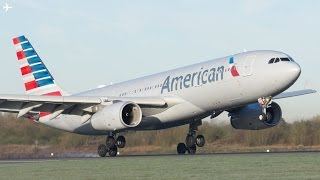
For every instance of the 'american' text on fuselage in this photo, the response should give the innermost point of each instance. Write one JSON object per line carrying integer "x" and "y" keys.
{"x": 194, "y": 79}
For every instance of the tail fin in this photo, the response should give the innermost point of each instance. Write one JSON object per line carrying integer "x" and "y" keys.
{"x": 36, "y": 77}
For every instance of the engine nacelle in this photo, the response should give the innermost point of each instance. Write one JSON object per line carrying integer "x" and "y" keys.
{"x": 117, "y": 116}
{"x": 249, "y": 117}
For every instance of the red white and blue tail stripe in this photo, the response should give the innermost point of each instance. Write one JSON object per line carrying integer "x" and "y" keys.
{"x": 36, "y": 77}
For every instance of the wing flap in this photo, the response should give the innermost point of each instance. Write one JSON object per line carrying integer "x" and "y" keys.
{"x": 28, "y": 107}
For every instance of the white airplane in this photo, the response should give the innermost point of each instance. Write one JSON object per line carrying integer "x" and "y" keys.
{"x": 243, "y": 84}
{"x": 6, "y": 7}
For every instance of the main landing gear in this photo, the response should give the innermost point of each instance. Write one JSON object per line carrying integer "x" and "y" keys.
{"x": 192, "y": 141}
{"x": 111, "y": 146}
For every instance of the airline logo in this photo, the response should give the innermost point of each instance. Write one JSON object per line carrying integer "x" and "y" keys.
{"x": 201, "y": 77}
{"x": 233, "y": 68}
{"x": 194, "y": 79}
{"x": 37, "y": 79}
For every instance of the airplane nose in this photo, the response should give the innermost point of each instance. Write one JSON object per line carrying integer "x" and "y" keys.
{"x": 295, "y": 71}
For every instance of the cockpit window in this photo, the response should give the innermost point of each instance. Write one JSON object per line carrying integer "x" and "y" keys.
{"x": 271, "y": 61}
{"x": 285, "y": 59}
{"x": 276, "y": 60}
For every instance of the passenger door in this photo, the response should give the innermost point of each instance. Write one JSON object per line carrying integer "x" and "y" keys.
{"x": 247, "y": 69}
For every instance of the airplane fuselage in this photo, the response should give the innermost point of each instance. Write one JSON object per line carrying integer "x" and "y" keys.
{"x": 203, "y": 88}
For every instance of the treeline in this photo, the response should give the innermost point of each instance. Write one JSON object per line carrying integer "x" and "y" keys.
{"x": 304, "y": 132}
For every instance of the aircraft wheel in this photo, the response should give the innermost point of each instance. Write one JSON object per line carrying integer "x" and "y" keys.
{"x": 181, "y": 148}
{"x": 113, "y": 151}
{"x": 102, "y": 150}
{"x": 200, "y": 141}
{"x": 190, "y": 140}
{"x": 192, "y": 149}
{"x": 121, "y": 142}
{"x": 110, "y": 142}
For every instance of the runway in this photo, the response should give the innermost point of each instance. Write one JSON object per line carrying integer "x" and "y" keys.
{"x": 35, "y": 160}
{"x": 257, "y": 165}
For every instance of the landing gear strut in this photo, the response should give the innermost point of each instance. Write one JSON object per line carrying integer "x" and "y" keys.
{"x": 112, "y": 145}
{"x": 192, "y": 141}
{"x": 264, "y": 103}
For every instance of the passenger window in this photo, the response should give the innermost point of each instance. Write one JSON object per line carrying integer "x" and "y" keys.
{"x": 276, "y": 60}
{"x": 271, "y": 61}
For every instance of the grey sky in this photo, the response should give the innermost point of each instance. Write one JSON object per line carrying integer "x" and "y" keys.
{"x": 88, "y": 43}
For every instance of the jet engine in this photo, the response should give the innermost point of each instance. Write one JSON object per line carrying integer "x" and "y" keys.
{"x": 252, "y": 117}
{"x": 117, "y": 116}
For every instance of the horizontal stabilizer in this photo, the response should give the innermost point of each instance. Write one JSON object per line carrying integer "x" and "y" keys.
{"x": 294, "y": 93}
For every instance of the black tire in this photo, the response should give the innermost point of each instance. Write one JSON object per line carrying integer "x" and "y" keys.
{"x": 121, "y": 142}
{"x": 192, "y": 149}
{"x": 113, "y": 151}
{"x": 190, "y": 140}
{"x": 110, "y": 142}
{"x": 181, "y": 148}
{"x": 102, "y": 150}
{"x": 200, "y": 141}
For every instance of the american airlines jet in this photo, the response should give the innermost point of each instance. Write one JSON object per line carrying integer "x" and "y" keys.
{"x": 243, "y": 84}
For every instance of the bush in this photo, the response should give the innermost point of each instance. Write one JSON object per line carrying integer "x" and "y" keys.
{"x": 304, "y": 132}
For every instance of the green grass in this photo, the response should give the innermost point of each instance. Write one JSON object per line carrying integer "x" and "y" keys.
{"x": 219, "y": 166}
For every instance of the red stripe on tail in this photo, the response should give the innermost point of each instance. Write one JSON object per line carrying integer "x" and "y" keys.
{"x": 15, "y": 41}
{"x": 56, "y": 93}
{"x": 25, "y": 70}
{"x": 30, "y": 85}
{"x": 21, "y": 55}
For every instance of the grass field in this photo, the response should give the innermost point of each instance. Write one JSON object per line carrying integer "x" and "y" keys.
{"x": 216, "y": 166}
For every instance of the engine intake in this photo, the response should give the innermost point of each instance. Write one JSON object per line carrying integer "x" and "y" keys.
{"x": 252, "y": 117}
{"x": 117, "y": 116}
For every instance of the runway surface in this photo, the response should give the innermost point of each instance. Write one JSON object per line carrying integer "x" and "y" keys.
{"x": 27, "y": 160}
{"x": 257, "y": 165}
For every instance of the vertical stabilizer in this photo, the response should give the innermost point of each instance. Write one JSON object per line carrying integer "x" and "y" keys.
{"x": 36, "y": 77}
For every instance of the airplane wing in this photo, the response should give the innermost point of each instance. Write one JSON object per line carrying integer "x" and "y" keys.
{"x": 294, "y": 93}
{"x": 56, "y": 105}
